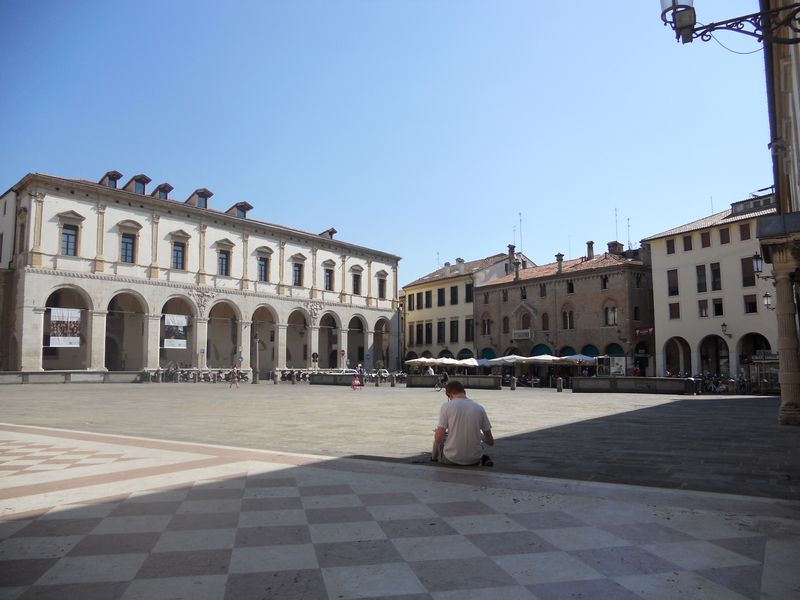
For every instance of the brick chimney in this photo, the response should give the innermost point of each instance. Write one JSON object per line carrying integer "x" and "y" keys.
{"x": 560, "y": 261}
{"x": 590, "y": 250}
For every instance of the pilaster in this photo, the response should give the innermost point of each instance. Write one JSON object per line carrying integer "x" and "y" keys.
{"x": 313, "y": 333}
{"x": 97, "y": 350}
{"x": 99, "y": 261}
{"x": 152, "y": 272}
{"x": 369, "y": 350}
{"x": 245, "y": 254}
{"x": 36, "y": 253}
{"x": 280, "y": 345}
{"x": 281, "y": 281}
{"x": 244, "y": 344}
{"x": 343, "y": 348}
{"x": 152, "y": 359}
{"x": 201, "y": 246}
{"x": 200, "y": 342}
{"x": 29, "y": 337}
{"x": 313, "y": 272}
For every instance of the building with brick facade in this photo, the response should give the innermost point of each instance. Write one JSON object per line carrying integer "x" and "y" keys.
{"x": 98, "y": 277}
{"x": 438, "y": 307}
{"x": 599, "y": 304}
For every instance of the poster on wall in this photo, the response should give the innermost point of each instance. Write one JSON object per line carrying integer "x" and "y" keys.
{"x": 175, "y": 331}
{"x": 65, "y": 327}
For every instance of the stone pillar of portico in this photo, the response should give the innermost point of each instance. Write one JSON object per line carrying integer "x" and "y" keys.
{"x": 369, "y": 350}
{"x": 29, "y": 336}
{"x": 97, "y": 351}
{"x": 343, "y": 348}
{"x": 244, "y": 344}
{"x": 153, "y": 342}
{"x": 313, "y": 331}
{"x": 789, "y": 365}
{"x": 200, "y": 342}
{"x": 280, "y": 345}
{"x": 696, "y": 366}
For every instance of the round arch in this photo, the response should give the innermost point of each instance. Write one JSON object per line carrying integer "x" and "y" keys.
{"x": 177, "y": 332}
{"x": 464, "y": 353}
{"x": 66, "y": 329}
{"x": 614, "y": 349}
{"x": 262, "y": 340}
{"x": 677, "y": 356}
{"x": 411, "y": 355}
{"x": 356, "y": 340}
{"x": 511, "y": 350}
{"x": 223, "y": 343}
{"x": 328, "y": 340}
{"x": 566, "y": 351}
{"x": 590, "y": 350}
{"x": 380, "y": 343}
{"x": 540, "y": 349}
{"x": 126, "y": 346}
{"x": 297, "y": 336}
{"x": 488, "y": 353}
{"x": 753, "y": 346}
{"x": 714, "y": 356}
{"x": 445, "y": 354}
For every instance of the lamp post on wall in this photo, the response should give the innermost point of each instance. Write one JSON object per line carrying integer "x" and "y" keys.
{"x": 681, "y": 16}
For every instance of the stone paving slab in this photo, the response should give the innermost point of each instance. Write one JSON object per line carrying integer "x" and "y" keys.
{"x": 144, "y": 518}
{"x": 711, "y": 443}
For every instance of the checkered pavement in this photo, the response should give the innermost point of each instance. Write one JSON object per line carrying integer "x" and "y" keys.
{"x": 259, "y": 525}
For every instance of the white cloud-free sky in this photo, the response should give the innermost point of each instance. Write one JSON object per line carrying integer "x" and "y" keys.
{"x": 419, "y": 127}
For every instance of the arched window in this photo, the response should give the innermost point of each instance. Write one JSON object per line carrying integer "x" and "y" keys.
{"x": 571, "y": 320}
{"x": 545, "y": 322}
{"x": 526, "y": 320}
{"x": 505, "y": 324}
{"x": 610, "y": 315}
{"x": 565, "y": 320}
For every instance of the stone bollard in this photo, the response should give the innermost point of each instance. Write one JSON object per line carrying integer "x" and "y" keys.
{"x": 513, "y": 383}
{"x": 275, "y": 377}
{"x": 392, "y": 380}
{"x": 560, "y": 384}
{"x": 377, "y": 381}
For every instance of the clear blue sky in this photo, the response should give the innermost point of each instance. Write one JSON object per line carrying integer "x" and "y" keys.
{"x": 412, "y": 126}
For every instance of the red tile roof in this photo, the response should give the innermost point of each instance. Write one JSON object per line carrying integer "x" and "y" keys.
{"x": 454, "y": 271}
{"x": 575, "y": 265}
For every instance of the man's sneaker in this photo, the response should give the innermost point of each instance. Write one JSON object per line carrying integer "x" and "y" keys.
{"x": 486, "y": 461}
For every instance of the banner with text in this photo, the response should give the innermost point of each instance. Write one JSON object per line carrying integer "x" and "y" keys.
{"x": 175, "y": 331}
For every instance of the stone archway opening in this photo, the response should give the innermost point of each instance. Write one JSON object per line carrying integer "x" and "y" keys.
{"x": 126, "y": 334}
{"x": 176, "y": 334}
{"x": 328, "y": 342}
{"x": 297, "y": 337}
{"x": 356, "y": 341}
{"x": 66, "y": 331}
{"x": 222, "y": 349}
{"x": 677, "y": 357}
{"x": 714, "y": 356}
{"x": 380, "y": 345}
{"x": 262, "y": 342}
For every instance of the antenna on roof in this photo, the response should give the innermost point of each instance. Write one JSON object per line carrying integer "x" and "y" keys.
{"x": 520, "y": 232}
{"x": 629, "y": 232}
{"x": 712, "y": 204}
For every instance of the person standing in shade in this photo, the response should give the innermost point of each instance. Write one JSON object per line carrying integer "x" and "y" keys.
{"x": 462, "y": 430}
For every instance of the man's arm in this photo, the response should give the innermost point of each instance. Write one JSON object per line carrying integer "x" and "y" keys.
{"x": 488, "y": 438}
{"x": 438, "y": 438}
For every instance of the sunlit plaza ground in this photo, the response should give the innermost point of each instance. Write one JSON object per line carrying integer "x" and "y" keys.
{"x": 284, "y": 491}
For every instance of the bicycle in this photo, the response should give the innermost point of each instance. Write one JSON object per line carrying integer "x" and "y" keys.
{"x": 440, "y": 383}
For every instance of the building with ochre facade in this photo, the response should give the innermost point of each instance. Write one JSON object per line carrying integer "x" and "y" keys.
{"x": 101, "y": 276}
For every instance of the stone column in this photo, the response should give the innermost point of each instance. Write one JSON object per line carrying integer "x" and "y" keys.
{"x": 280, "y": 345}
{"x": 29, "y": 337}
{"x": 36, "y": 256}
{"x": 200, "y": 342}
{"x": 245, "y": 281}
{"x": 369, "y": 350}
{"x": 97, "y": 350}
{"x": 245, "y": 344}
{"x": 343, "y": 348}
{"x": 152, "y": 272}
{"x": 201, "y": 247}
{"x": 99, "y": 261}
{"x": 787, "y": 339}
{"x": 313, "y": 346}
{"x": 152, "y": 359}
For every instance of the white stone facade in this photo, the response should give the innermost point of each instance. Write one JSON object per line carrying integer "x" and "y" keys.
{"x": 313, "y": 301}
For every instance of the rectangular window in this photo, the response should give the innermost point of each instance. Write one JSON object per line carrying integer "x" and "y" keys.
{"x": 223, "y": 262}
{"x": 202, "y": 202}
{"x": 570, "y": 287}
{"x": 724, "y": 236}
{"x": 542, "y": 290}
{"x": 428, "y": 334}
{"x": 240, "y": 212}
{"x": 716, "y": 277}
{"x": 454, "y": 294}
{"x": 504, "y": 294}
{"x": 705, "y": 239}
{"x": 428, "y": 299}
{"x": 420, "y": 305}
{"x": 263, "y": 268}
{"x": 297, "y": 274}
{"x": 440, "y": 332}
{"x": 604, "y": 282}
{"x": 523, "y": 293}
{"x": 469, "y": 330}
{"x": 328, "y": 282}
{"x": 748, "y": 273}
{"x": 356, "y": 284}
{"x": 670, "y": 246}
{"x": 454, "y": 331}
{"x": 687, "y": 243}
{"x": 162, "y": 194}
{"x": 702, "y": 308}
{"x": 702, "y": 286}
{"x": 718, "y": 312}
{"x": 411, "y": 335}
{"x": 420, "y": 335}
{"x": 179, "y": 256}
{"x": 127, "y": 248}
{"x": 744, "y": 231}
{"x": 69, "y": 240}
{"x": 672, "y": 282}
{"x": 750, "y": 304}
{"x": 486, "y": 298}
{"x": 410, "y": 301}
{"x": 382, "y": 288}
{"x": 440, "y": 300}
{"x": 138, "y": 186}
{"x": 674, "y": 310}
{"x": 611, "y": 315}
{"x": 636, "y": 314}
{"x": 468, "y": 292}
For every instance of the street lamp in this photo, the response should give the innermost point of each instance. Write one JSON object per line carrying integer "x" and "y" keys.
{"x": 758, "y": 264}
{"x": 681, "y": 16}
{"x": 724, "y": 328}
{"x": 768, "y": 301}
{"x": 255, "y": 373}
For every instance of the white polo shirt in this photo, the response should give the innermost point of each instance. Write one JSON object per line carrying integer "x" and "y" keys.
{"x": 464, "y": 420}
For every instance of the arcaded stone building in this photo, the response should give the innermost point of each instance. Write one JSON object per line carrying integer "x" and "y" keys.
{"x": 599, "y": 304}
{"x": 101, "y": 277}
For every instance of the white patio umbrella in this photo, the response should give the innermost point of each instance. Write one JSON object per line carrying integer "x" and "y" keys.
{"x": 579, "y": 358}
